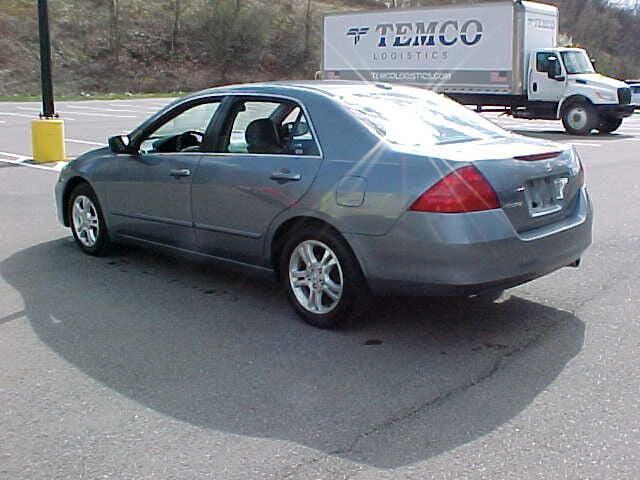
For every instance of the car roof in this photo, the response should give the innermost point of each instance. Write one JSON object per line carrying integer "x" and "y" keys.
{"x": 324, "y": 87}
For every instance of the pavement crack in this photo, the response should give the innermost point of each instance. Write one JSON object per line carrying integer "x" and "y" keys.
{"x": 499, "y": 363}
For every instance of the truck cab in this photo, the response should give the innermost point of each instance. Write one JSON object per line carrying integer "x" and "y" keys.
{"x": 562, "y": 83}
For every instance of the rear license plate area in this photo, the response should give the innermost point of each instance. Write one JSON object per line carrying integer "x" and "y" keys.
{"x": 544, "y": 195}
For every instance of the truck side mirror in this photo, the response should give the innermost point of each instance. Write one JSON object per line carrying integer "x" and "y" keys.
{"x": 554, "y": 71}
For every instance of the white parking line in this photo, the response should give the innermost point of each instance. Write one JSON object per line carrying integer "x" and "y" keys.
{"x": 584, "y": 144}
{"x": 101, "y": 109}
{"x": 18, "y": 115}
{"x": 55, "y": 168}
{"x": 15, "y": 156}
{"x": 22, "y": 161}
{"x": 85, "y": 142}
{"x": 81, "y": 113}
{"x": 122, "y": 105}
{"x": 100, "y": 114}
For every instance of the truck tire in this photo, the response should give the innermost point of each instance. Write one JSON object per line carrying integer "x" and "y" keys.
{"x": 609, "y": 125}
{"x": 579, "y": 118}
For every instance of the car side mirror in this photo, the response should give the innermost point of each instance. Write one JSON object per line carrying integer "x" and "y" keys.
{"x": 560, "y": 78}
{"x": 120, "y": 144}
{"x": 301, "y": 129}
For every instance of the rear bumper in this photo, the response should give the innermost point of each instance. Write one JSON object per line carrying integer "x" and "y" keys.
{"x": 461, "y": 254}
{"x": 616, "y": 111}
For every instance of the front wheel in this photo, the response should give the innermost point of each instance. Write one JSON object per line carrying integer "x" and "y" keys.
{"x": 87, "y": 221}
{"x": 580, "y": 118}
{"x": 322, "y": 278}
{"x": 609, "y": 125}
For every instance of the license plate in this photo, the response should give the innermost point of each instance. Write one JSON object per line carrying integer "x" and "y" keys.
{"x": 545, "y": 195}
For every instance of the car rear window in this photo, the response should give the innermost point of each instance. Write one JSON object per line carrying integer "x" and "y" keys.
{"x": 414, "y": 117}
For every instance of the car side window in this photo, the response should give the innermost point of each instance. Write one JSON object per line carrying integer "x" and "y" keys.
{"x": 269, "y": 127}
{"x": 182, "y": 133}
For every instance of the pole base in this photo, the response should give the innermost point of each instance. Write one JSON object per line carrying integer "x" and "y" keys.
{"x": 47, "y": 136}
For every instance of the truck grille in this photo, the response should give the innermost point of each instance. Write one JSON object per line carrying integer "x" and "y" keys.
{"x": 624, "y": 96}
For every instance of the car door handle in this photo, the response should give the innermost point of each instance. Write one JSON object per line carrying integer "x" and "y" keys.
{"x": 181, "y": 172}
{"x": 286, "y": 176}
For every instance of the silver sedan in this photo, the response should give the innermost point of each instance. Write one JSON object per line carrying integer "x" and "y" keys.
{"x": 343, "y": 189}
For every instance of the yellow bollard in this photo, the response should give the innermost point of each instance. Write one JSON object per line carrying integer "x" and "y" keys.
{"x": 47, "y": 137}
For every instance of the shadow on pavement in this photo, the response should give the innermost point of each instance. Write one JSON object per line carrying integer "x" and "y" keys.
{"x": 218, "y": 348}
{"x": 560, "y": 134}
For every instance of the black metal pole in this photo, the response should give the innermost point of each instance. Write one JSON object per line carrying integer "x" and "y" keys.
{"x": 48, "y": 110}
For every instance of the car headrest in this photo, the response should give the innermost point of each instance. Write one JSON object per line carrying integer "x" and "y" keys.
{"x": 262, "y": 137}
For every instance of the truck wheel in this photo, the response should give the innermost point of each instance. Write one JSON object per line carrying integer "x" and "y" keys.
{"x": 580, "y": 118}
{"x": 608, "y": 125}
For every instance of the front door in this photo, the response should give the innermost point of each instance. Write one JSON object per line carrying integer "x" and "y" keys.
{"x": 151, "y": 196}
{"x": 268, "y": 159}
{"x": 541, "y": 87}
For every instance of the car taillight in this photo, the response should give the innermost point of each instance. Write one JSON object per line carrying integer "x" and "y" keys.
{"x": 463, "y": 190}
{"x": 538, "y": 156}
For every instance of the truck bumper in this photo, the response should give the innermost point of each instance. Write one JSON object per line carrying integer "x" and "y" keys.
{"x": 615, "y": 111}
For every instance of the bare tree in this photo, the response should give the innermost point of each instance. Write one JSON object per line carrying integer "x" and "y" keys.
{"x": 176, "y": 24}
{"x": 114, "y": 28}
{"x": 307, "y": 27}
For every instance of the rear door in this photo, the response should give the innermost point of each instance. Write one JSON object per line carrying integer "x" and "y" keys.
{"x": 268, "y": 158}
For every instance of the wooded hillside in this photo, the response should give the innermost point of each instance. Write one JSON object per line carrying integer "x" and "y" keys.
{"x": 183, "y": 45}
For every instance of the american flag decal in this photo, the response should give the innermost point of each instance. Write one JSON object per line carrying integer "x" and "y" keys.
{"x": 499, "y": 77}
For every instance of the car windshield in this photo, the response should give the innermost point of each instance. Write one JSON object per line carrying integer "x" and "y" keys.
{"x": 413, "y": 117}
{"x": 577, "y": 62}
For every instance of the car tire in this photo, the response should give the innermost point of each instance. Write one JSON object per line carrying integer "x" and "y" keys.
{"x": 322, "y": 278}
{"x": 609, "y": 125}
{"x": 87, "y": 221}
{"x": 579, "y": 118}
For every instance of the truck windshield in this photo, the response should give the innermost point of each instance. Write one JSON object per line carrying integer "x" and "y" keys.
{"x": 577, "y": 62}
{"x": 412, "y": 117}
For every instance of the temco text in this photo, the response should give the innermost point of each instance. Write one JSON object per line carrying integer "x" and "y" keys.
{"x": 416, "y": 34}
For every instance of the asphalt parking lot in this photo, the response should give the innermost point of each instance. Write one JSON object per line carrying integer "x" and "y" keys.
{"x": 148, "y": 365}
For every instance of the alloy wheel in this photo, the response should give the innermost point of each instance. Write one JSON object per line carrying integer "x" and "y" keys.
{"x": 85, "y": 220}
{"x": 315, "y": 276}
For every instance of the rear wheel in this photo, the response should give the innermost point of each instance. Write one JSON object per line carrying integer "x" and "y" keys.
{"x": 87, "y": 222}
{"x": 322, "y": 278}
{"x": 608, "y": 125}
{"x": 580, "y": 118}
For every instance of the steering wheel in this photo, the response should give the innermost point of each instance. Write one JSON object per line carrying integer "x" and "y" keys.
{"x": 190, "y": 138}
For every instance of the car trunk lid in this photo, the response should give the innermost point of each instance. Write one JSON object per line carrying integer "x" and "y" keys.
{"x": 537, "y": 183}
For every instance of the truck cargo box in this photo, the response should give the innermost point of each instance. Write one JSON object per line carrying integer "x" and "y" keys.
{"x": 469, "y": 49}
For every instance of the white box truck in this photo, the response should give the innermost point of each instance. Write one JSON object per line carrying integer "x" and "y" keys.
{"x": 501, "y": 54}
